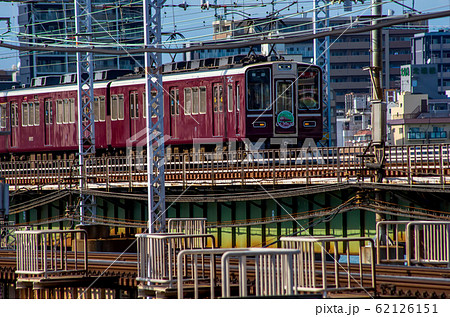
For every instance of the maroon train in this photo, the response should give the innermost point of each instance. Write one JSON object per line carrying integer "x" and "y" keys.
{"x": 206, "y": 101}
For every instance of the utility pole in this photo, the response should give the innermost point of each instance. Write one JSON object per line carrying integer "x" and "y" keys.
{"x": 155, "y": 127}
{"x": 85, "y": 96}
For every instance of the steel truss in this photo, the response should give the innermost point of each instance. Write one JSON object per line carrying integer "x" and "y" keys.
{"x": 85, "y": 94}
{"x": 321, "y": 20}
{"x": 155, "y": 127}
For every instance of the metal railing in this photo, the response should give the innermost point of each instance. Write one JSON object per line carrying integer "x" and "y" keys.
{"x": 428, "y": 242}
{"x": 157, "y": 255}
{"x": 48, "y": 253}
{"x": 413, "y": 242}
{"x": 237, "y": 167}
{"x": 273, "y": 269}
{"x": 186, "y": 225}
{"x": 334, "y": 270}
{"x": 190, "y": 275}
{"x": 391, "y": 242}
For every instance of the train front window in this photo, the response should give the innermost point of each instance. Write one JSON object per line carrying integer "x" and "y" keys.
{"x": 258, "y": 89}
{"x": 284, "y": 96}
{"x": 308, "y": 88}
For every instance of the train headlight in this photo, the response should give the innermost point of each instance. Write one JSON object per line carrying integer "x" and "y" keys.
{"x": 309, "y": 124}
{"x": 259, "y": 124}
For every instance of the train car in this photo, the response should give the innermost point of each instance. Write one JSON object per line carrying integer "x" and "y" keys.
{"x": 212, "y": 101}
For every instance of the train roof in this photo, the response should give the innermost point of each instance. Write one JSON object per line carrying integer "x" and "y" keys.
{"x": 209, "y": 67}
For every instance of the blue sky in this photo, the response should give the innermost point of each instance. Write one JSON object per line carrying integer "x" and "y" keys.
{"x": 7, "y": 9}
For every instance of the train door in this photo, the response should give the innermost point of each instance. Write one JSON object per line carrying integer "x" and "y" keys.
{"x": 48, "y": 118}
{"x": 285, "y": 112}
{"x": 14, "y": 111}
{"x": 218, "y": 115}
{"x": 4, "y": 124}
{"x": 238, "y": 109}
{"x": 134, "y": 114}
{"x": 174, "y": 102}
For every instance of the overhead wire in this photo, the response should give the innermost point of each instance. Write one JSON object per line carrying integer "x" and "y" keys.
{"x": 188, "y": 38}
{"x": 181, "y": 21}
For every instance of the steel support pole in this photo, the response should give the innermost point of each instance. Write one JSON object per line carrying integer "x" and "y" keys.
{"x": 85, "y": 99}
{"x": 321, "y": 19}
{"x": 378, "y": 107}
{"x": 155, "y": 127}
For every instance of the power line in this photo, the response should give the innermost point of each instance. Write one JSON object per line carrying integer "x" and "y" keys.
{"x": 255, "y": 40}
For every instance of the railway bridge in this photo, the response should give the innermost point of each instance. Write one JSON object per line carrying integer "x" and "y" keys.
{"x": 417, "y": 164}
{"x": 248, "y": 200}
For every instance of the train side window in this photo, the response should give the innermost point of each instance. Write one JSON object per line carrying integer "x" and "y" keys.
{"x": 14, "y": 115}
{"x": 187, "y": 101}
{"x": 202, "y": 100}
{"x": 114, "y": 107}
{"x": 195, "y": 100}
{"x": 174, "y": 98}
{"x": 96, "y": 109}
{"x": 121, "y": 105}
{"x": 102, "y": 108}
{"x": 218, "y": 98}
{"x": 136, "y": 104}
{"x": 72, "y": 110}
{"x": 24, "y": 114}
{"x": 30, "y": 114}
{"x": 134, "y": 110}
{"x": 59, "y": 111}
{"x": 132, "y": 113}
{"x": 66, "y": 111}
{"x": 37, "y": 114}
{"x": 3, "y": 115}
{"x": 238, "y": 98}
{"x": 48, "y": 111}
{"x": 144, "y": 105}
{"x": 230, "y": 98}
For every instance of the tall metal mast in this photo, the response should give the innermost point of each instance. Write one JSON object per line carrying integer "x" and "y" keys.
{"x": 85, "y": 94}
{"x": 321, "y": 19}
{"x": 155, "y": 127}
